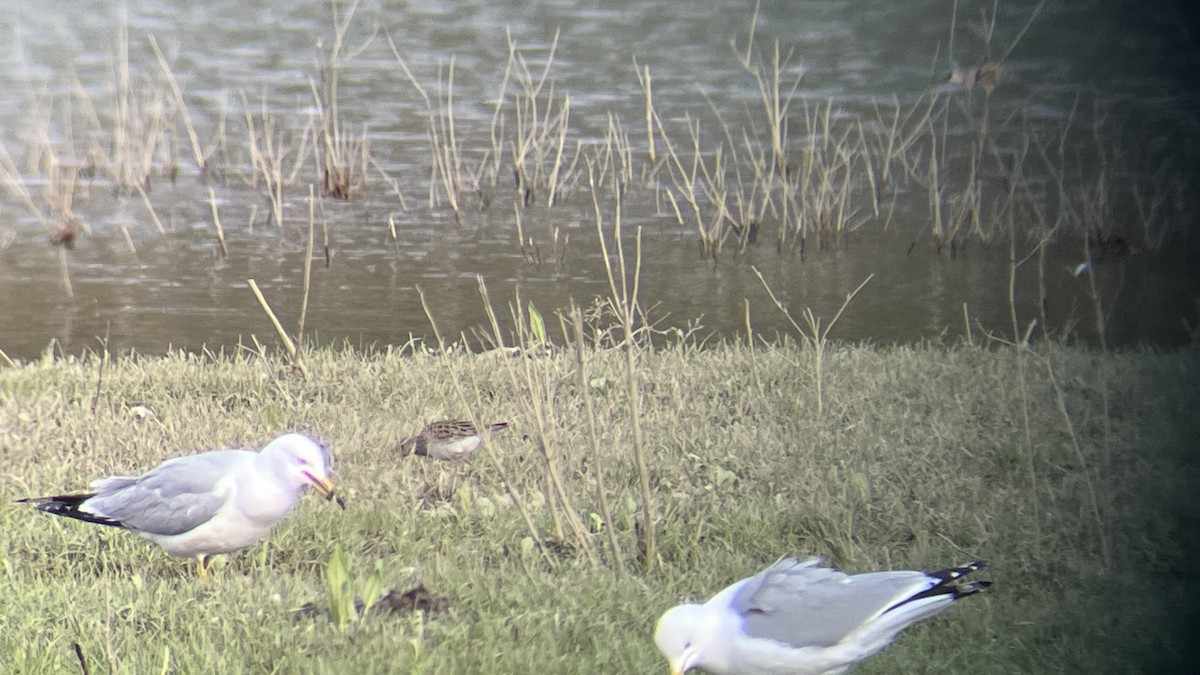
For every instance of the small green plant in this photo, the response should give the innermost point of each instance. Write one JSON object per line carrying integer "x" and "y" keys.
{"x": 344, "y": 604}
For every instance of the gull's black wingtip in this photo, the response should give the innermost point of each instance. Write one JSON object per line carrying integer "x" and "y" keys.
{"x": 948, "y": 580}
{"x": 947, "y": 584}
{"x": 971, "y": 587}
{"x": 950, "y": 574}
{"x": 67, "y": 506}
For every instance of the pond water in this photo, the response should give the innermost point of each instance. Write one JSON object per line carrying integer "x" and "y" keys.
{"x": 1090, "y": 144}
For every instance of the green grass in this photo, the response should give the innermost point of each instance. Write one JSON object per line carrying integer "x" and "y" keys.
{"x": 924, "y": 456}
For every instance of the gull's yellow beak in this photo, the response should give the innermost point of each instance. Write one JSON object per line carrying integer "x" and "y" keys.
{"x": 684, "y": 663}
{"x": 325, "y": 487}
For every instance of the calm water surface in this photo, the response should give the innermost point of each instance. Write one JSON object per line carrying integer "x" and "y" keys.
{"x": 150, "y": 290}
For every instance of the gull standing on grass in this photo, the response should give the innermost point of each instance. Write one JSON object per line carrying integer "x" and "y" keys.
{"x": 445, "y": 439}
{"x": 799, "y": 618}
{"x": 201, "y": 505}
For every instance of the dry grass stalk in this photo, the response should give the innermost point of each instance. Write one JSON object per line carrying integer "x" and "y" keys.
{"x": 686, "y": 179}
{"x": 133, "y": 140}
{"x": 12, "y": 181}
{"x": 939, "y": 232}
{"x": 775, "y": 100}
{"x": 293, "y": 353}
{"x": 212, "y": 202}
{"x": 535, "y": 126}
{"x": 541, "y": 383}
{"x": 307, "y": 283}
{"x": 623, "y": 285}
{"x": 645, "y": 81}
{"x": 336, "y": 147}
{"x": 197, "y": 153}
{"x": 391, "y": 183}
{"x": 150, "y": 208}
{"x": 446, "y": 168}
{"x": 269, "y": 149}
{"x": 66, "y": 272}
{"x": 552, "y": 186}
{"x": 813, "y": 334}
{"x": 593, "y": 435}
{"x": 129, "y": 242}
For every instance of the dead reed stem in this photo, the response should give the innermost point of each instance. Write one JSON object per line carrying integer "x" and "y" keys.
{"x": 1093, "y": 502}
{"x": 813, "y": 334}
{"x": 623, "y": 287}
{"x": 129, "y": 242}
{"x": 594, "y": 437}
{"x": 212, "y": 202}
{"x": 307, "y": 284}
{"x": 336, "y": 147}
{"x": 540, "y": 383}
{"x": 150, "y": 208}
{"x": 197, "y": 153}
{"x": 265, "y": 159}
{"x": 552, "y": 187}
{"x": 446, "y": 167}
{"x": 646, "y": 83}
{"x": 287, "y": 340}
{"x": 65, "y": 267}
{"x": 12, "y": 181}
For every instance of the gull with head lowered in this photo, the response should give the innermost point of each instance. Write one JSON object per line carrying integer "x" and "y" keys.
{"x": 205, "y": 504}
{"x": 799, "y": 618}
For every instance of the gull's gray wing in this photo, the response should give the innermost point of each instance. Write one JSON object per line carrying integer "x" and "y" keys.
{"x": 174, "y": 497}
{"x": 112, "y": 483}
{"x": 804, "y": 605}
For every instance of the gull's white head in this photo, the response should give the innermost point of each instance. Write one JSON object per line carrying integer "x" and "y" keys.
{"x": 303, "y": 461}
{"x": 684, "y": 635}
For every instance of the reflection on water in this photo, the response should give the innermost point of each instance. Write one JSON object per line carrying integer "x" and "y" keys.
{"x": 148, "y": 290}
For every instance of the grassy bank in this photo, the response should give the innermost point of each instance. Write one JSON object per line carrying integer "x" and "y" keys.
{"x": 1072, "y": 472}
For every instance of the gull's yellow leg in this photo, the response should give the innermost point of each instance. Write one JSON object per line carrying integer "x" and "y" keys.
{"x": 203, "y": 566}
